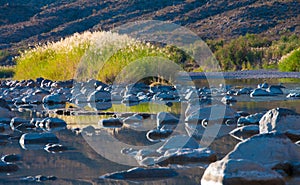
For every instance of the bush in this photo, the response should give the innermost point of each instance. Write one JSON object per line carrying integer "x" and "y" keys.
{"x": 100, "y": 55}
{"x": 290, "y": 62}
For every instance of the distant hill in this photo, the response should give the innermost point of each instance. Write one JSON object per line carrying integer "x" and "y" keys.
{"x": 26, "y": 22}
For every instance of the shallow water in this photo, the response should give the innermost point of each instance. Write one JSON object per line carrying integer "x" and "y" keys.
{"x": 81, "y": 164}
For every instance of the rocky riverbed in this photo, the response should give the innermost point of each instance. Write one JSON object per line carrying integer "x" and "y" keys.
{"x": 65, "y": 132}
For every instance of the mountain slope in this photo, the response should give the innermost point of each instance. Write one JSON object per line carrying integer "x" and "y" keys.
{"x": 27, "y": 22}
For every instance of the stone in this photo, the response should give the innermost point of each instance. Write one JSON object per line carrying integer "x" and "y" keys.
{"x": 239, "y": 171}
{"x": 245, "y": 132}
{"x": 274, "y": 89}
{"x": 8, "y": 167}
{"x": 280, "y": 120}
{"x": 141, "y": 173}
{"x": 215, "y": 113}
{"x": 111, "y": 122}
{"x": 267, "y": 149}
{"x": 136, "y": 118}
{"x": 55, "y": 148}
{"x": 165, "y": 118}
{"x": 4, "y": 104}
{"x": 38, "y": 138}
{"x": 260, "y": 92}
{"x": 179, "y": 141}
{"x": 157, "y": 135}
{"x": 130, "y": 100}
{"x": 99, "y": 96}
{"x": 16, "y": 121}
{"x": 54, "y": 99}
{"x": 250, "y": 119}
{"x": 11, "y": 158}
{"x": 293, "y": 95}
{"x": 228, "y": 99}
{"x": 186, "y": 156}
{"x": 54, "y": 123}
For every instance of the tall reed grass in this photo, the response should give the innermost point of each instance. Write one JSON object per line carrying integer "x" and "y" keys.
{"x": 100, "y": 55}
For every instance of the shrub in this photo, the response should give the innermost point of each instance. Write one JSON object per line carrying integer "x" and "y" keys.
{"x": 100, "y": 55}
{"x": 290, "y": 62}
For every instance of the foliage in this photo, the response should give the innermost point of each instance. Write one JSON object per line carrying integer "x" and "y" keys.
{"x": 290, "y": 62}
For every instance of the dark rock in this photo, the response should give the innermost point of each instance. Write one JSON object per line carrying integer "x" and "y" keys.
{"x": 38, "y": 138}
{"x": 158, "y": 135}
{"x": 55, "y": 148}
{"x": 245, "y": 132}
{"x": 111, "y": 122}
{"x": 142, "y": 173}
{"x": 8, "y": 167}
{"x": 11, "y": 158}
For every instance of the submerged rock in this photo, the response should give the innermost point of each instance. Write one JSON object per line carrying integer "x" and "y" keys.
{"x": 142, "y": 173}
{"x": 54, "y": 123}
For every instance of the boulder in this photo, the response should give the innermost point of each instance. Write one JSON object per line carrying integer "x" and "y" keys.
{"x": 38, "y": 138}
{"x": 216, "y": 113}
{"x": 186, "y": 155}
{"x": 54, "y": 99}
{"x": 260, "y": 92}
{"x": 245, "y": 132}
{"x": 179, "y": 141}
{"x": 165, "y": 118}
{"x": 141, "y": 173}
{"x": 267, "y": 149}
{"x": 54, "y": 123}
{"x": 130, "y": 100}
{"x": 250, "y": 119}
{"x": 280, "y": 120}
{"x": 275, "y": 89}
{"x": 99, "y": 96}
{"x": 239, "y": 171}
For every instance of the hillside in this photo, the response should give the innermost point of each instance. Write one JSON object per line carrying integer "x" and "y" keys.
{"x": 24, "y": 23}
